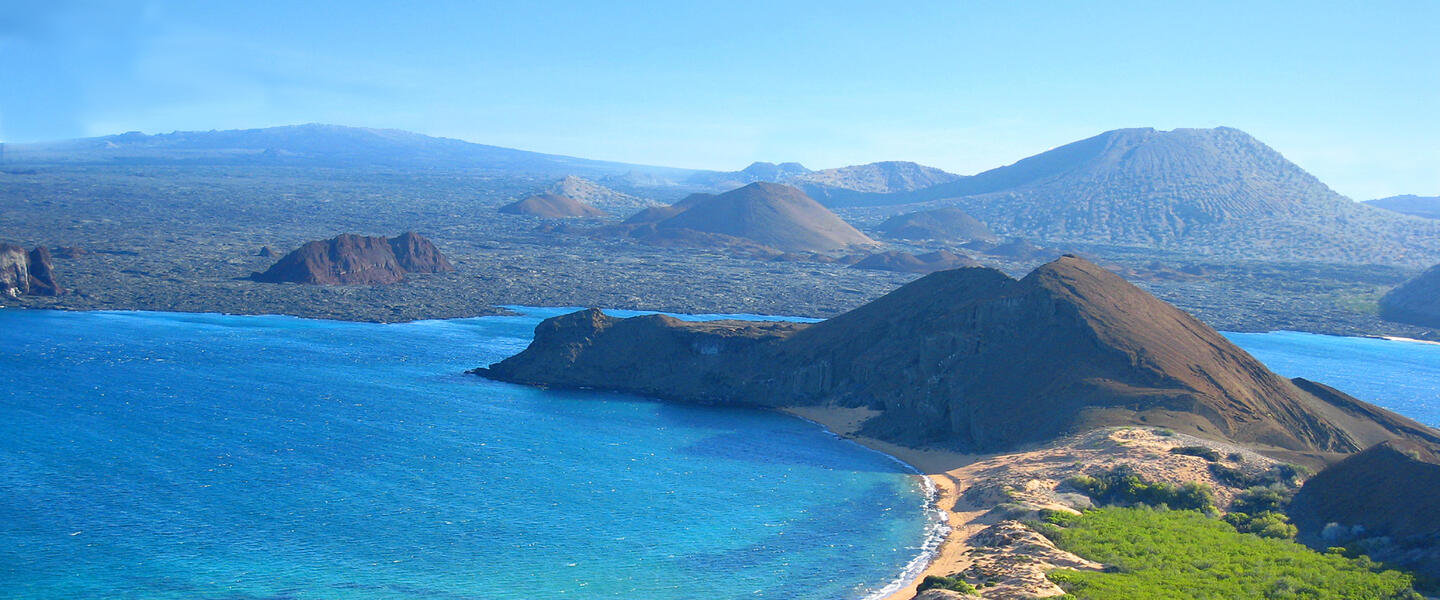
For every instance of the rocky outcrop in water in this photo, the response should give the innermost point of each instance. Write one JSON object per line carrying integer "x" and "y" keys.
{"x": 1416, "y": 301}
{"x": 27, "y": 273}
{"x": 971, "y": 359}
{"x": 350, "y": 259}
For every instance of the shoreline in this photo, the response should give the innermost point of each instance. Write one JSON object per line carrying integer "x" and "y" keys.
{"x": 936, "y": 466}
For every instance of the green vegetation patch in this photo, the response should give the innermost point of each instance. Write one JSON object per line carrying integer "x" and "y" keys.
{"x": 954, "y": 584}
{"x": 1184, "y": 555}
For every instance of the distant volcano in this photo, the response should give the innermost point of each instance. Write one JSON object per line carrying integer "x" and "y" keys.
{"x": 551, "y": 206}
{"x": 769, "y": 214}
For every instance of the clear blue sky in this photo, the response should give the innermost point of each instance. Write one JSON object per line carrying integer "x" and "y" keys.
{"x": 1349, "y": 90}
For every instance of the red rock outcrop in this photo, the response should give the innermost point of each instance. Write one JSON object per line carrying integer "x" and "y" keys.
{"x": 27, "y": 273}
{"x": 350, "y": 259}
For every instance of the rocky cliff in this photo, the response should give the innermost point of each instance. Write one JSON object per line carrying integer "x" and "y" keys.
{"x": 971, "y": 359}
{"x": 350, "y": 259}
{"x": 27, "y": 273}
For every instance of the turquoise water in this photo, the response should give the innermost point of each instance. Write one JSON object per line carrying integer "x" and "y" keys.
{"x": 157, "y": 455}
{"x": 1402, "y": 376}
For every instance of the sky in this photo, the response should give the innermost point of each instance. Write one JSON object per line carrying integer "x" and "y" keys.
{"x": 1348, "y": 90}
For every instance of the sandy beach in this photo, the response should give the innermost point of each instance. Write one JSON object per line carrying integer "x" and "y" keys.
{"x": 984, "y": 495}
{"x": 939, "y": 466}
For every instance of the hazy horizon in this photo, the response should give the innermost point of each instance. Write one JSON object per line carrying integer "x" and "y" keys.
{"x": 1346, "y": 92}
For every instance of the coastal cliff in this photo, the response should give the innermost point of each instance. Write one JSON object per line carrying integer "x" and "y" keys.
{"x": 27, "y": 273}
{"x": 970, "y": 359}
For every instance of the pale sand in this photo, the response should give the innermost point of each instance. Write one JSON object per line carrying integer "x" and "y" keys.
{"x": 1027, "y": 477}
{"x": 1396, "y": 338}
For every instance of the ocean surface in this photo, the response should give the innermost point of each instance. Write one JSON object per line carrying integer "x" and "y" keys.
{"x": 160, "y": 455}
{"x": 1403, "y": 376}
{"x": 164, "y": 455}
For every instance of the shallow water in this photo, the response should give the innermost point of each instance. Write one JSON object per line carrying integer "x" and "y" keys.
{"x": 159, "y": 455}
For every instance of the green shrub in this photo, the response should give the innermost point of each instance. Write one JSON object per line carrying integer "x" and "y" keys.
{"x": 954, "y": 584}
{"x": 1266, "y": 524}
{"x": 1123, "y": 486}
{"x": 1258, "y": 500}
{"x": 1209, "y": 454}
{"x": 1175, "y": 555}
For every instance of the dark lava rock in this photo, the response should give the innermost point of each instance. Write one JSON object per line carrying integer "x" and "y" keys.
{"x": 70, "y": 252}
{"x": 551, "y": 206}
{"x": 971, "y": 359}
{"x": 944, "y": 224}
{"x": 905, "y": 262}
{"x": 27, "y": 273}
{"x": 267, "y": 252}
{"x": 351, "y": 259}
{"x": 1416, "y": 302}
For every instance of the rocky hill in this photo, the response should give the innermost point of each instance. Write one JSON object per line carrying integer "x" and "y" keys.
{"x": 832, "y": 186}
{"x": 1382, "y": 500}
{"x": 350, "y": 259}
{"x": 1416, "y": 301}
{"x": 656, "y": 214}
{"x": 551, "y": 206}
{"x": 941, "y": 225}
{"x": 905, "y": 262}
{"x": 1417, "y": 206}
{"x": 27, "y": 273}
{"x": 970, "y": 359}
{"x": 874, "y": 178}
{"x": 1208, "y": 191}
{"x": 593, "y": 194}
{"x": 774, "y": 216}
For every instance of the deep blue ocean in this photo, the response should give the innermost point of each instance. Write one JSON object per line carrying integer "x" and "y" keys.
{"x": 162, "y": 455}
{"x": 1403, "y": 376}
